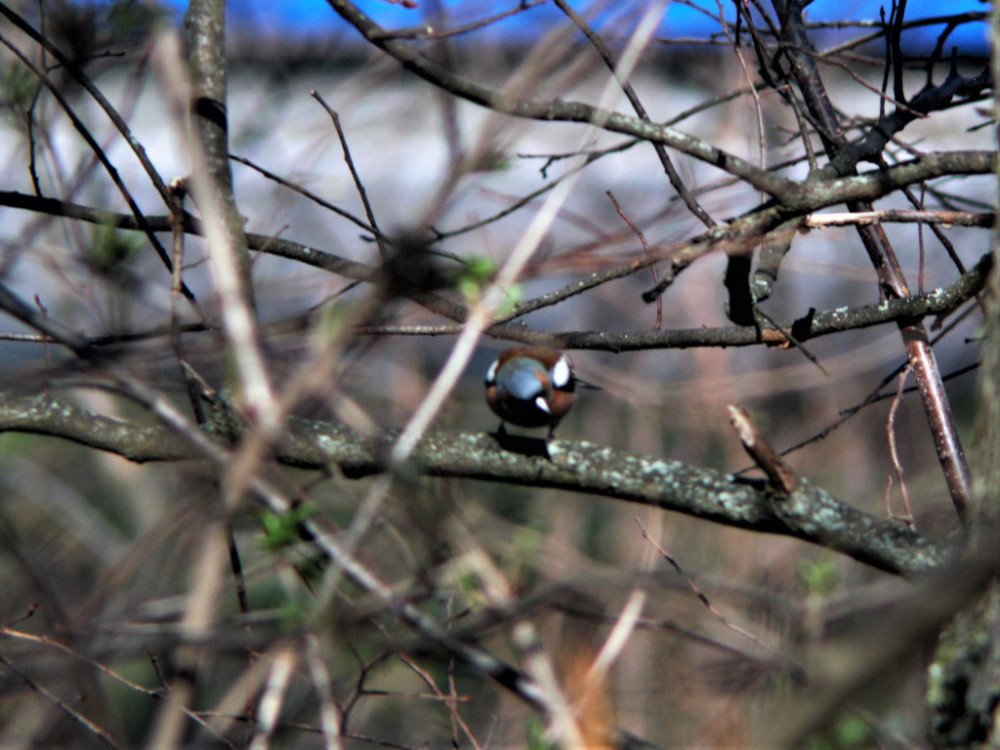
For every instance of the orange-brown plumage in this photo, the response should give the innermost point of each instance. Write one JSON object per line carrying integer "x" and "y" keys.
{"x": 531, "y": 386}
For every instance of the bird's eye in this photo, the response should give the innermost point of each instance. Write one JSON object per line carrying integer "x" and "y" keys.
{"x": 491, "y": 374}
{"x": 542, "y": 404}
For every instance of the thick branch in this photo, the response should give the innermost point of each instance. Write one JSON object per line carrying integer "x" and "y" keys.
{"x": 813, "y": 325}
{"x": 872, "y": 185}
{"x": 810, "y": 514}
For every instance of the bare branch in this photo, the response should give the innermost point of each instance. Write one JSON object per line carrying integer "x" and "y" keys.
{"x": 809, "y": 514}
{"x": 558, "y": 110}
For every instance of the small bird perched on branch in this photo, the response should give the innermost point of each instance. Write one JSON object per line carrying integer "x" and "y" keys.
{"x": 531, "y": 386}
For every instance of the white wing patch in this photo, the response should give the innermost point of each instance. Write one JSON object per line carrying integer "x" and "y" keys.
{"x": 561, "y": 373}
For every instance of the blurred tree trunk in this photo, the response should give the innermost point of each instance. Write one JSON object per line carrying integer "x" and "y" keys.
{"x": 964, "y": 679}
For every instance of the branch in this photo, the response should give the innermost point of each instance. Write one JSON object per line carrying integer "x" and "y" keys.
{"x": 812, "y": 325}
{"x": 675, "y": 179}
{"x": 557, "y": 110}
{"x": 803, "y": 198}
{"x": 878, "y": 183}
{"x": 810, "y": 514}
{"x": 656, "y": 133}
{"x": 927, "y": 100}
{"x": 40, "y": 321}
{"x": 80, "y": 77}
{"x": 940, "y": 420}
{"x": 212, "y": 188}
{"x": 984, "y": 219}
{"x": 100, "y": 155}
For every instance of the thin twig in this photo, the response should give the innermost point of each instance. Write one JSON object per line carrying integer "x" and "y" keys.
{"x": 98, "y": 732}
{"x": 99, "y": 152}
{"x": 792, "y": 339}
{"x": 903, "y": 216}
{"x": 306, "y": 193}
{"x": 645, "y": 249}
{"x": 602, "y": 49}
{"x": 429, "y": 32}
{"x": 712, "y": 609}
{"x": 362, "y": 193}
{"x": 897, "y": 464}
{"x": 448, "y": 700}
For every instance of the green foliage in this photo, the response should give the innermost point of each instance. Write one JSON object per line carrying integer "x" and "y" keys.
{"x": 15, "y": 444}
{"x": 536, "y": 739}
{"x": 282, "y": 529}
{"x": 128, "y": 19}
{"x": 112, "y": 250}
{"x": 821, "y": 577}
{"x": 133, "y": 706}
{"x": 848, "y": 733}
{"x": 18, "y": 87}
{"x": 311, "y": 568}
{"x": 476, "y": 273}
{"x": 514, "y": 294}
{"x": 493, "y": 160}
{"x": 295, "y": 613}
{"x": 335, "y": 317}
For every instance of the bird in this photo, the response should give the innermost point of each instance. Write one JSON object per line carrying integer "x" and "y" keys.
{"x": 531, "y": 386}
